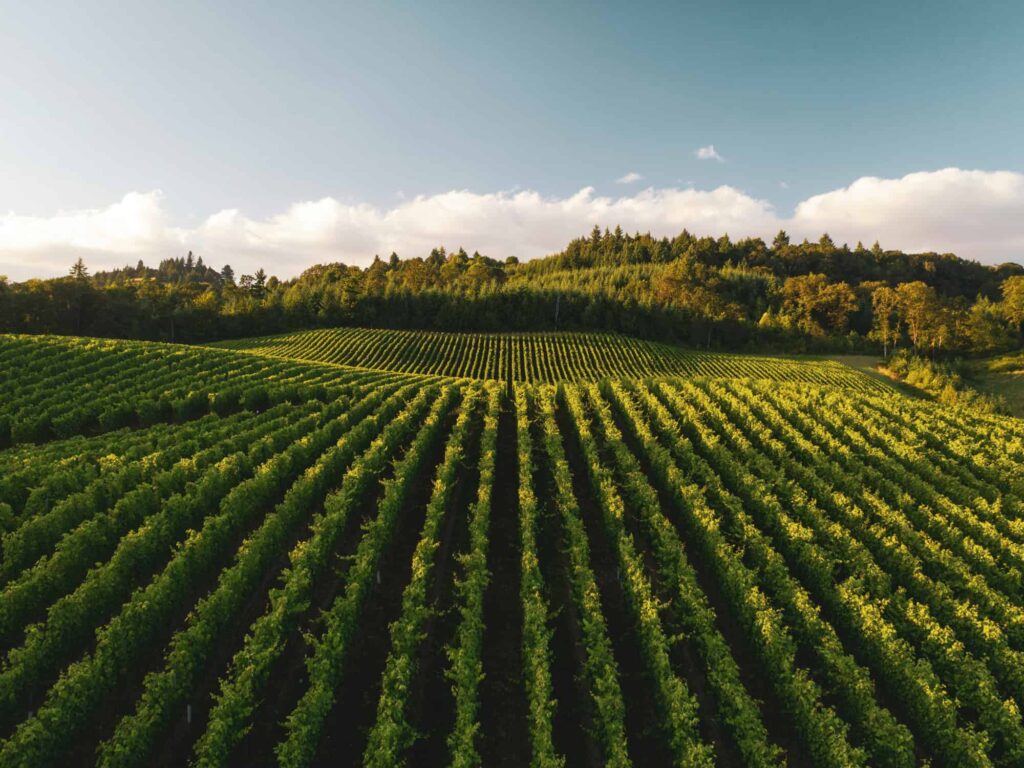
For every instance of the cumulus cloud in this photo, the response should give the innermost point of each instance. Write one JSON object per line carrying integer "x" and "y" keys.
{"x": 134, "y": 226}
{"x": 524, "y": 223}
{"x": 708, "y": 153}
{"x": 629, "y": 178}
{"x": 976, "y": 214}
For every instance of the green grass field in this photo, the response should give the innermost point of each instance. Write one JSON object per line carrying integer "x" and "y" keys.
{"x": 1003, "y": 377}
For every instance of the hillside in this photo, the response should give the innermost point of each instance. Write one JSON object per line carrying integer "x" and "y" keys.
{"x": 704, "y": 292}
{"x": 388, "y": 548}
{"x": 58, "y": 386}
{"x": 531, "y": 357}
{"x": 1002, "y": 377}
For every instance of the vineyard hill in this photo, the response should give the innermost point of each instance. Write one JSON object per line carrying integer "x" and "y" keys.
{"x": 379, "y": 548}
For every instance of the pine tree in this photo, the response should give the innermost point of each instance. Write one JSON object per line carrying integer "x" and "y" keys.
{"x": 79, "y": 270}
{"x": 437, "y": 257}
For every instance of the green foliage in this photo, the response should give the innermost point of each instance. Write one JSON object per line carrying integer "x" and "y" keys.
{"x": 164, "y": 691}
{"x": 678, "y": 707}
{"x": 392, "y": 733}
{"x": 465, "y": 665}
{"x": 945, "y": 380}
{"x": 699, "y": 291}
{"x": 600, "y": 666}
{"x": 542, "y": 357}
{"x": 326, "y": 665}
{"x": 71, "y": 386}
{"x": 777, "y": 530}
{"x": 536, "y": 630}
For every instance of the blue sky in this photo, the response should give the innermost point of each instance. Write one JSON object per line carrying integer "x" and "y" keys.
{"x": 252, "y": 111}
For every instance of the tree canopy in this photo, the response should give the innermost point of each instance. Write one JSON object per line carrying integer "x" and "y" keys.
{"x": 810, "y": 296}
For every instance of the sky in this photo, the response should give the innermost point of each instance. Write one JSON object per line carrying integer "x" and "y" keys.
{"x": 286, "y": 134}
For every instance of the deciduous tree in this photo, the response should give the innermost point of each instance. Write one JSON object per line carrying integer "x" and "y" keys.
{"x": 886, "y": 326}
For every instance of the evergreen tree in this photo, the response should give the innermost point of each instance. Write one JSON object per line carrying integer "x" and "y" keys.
{"x": 79, "y": 270}
{"x": 437, "y": 257}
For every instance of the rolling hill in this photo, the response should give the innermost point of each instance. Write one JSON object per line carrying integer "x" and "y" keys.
{"x": 399, "y": 548}
{"x": 533, "y": 357}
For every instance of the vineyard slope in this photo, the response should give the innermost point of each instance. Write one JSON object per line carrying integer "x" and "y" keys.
{"x": 218, "y": 558}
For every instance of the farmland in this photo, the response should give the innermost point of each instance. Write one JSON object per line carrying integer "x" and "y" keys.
{"x": 530, "y": 357}
{"x": 398, "y": 548}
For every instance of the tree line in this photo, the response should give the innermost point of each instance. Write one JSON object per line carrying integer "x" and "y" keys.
{"x": 700, "y": 291}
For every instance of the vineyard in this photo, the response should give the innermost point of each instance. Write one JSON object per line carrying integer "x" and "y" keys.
{"x": 548, "y": 358}
{"x": 389, "y": 548}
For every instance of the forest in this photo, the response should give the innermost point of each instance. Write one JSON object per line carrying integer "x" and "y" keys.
{"x": 698, "y": 291}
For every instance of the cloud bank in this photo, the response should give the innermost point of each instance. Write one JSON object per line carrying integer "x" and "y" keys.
{"x": 975, "y": 214}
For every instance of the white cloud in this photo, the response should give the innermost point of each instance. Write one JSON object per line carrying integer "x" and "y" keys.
{"x": 783, "y": 185}
{"x": 629, "y": 178}
{"x": 976, "y": 214}
{"x": 708, "y": 153}
{"x": 135, "y": 226}
{"x": 524, "y": 223}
